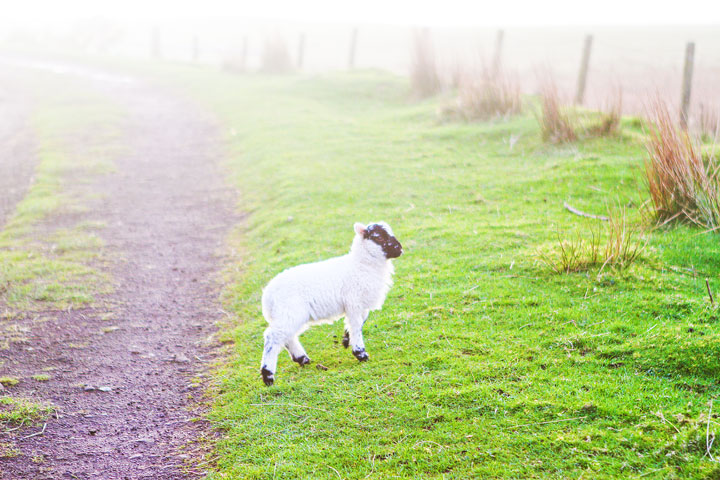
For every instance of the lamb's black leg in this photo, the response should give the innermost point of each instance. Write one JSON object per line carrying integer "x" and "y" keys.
{"x": 346, "y": 336}
{"x": 297, "y": 352}
{"x": 302, "y": 361}
{"x": 355, "y": 338}
{"x": 267, "y": 376}
{"x": 361, "y": 355}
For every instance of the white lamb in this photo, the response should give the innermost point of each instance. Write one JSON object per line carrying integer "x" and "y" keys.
{"x": 322, "y": 292}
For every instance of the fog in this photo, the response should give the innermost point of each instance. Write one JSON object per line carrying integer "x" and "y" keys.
{"x": 637, "y": 46}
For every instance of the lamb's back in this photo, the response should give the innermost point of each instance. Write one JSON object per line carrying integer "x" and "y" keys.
{"x": 314, "y": 286}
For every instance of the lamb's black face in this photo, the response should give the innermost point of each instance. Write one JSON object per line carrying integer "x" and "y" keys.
{"x": 389, "y": 244}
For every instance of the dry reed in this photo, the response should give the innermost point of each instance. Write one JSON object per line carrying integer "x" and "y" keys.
{"x": 682, "y": 185}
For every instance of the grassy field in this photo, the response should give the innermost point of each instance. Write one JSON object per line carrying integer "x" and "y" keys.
{"x": 484, "y": 363}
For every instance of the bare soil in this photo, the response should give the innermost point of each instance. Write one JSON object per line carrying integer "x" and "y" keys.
{"x": 124, "y": 374}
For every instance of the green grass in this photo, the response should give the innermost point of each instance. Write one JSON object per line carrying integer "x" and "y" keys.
{"x": 15, "y": 411}
{"x": 53, "y": 267}
{"x": 9, "y": 381}
{"x": 484, "y": 363}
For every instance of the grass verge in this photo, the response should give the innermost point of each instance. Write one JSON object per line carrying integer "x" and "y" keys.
{"x": 482, "y": 364}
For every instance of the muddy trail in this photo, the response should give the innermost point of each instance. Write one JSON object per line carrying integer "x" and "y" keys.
{"x": 125, "y": 372}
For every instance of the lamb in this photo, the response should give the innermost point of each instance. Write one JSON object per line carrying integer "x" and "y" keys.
{"x": 322, "y": 292}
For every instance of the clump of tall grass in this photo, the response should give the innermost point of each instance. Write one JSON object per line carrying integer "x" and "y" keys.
{"x": 424, "y": 77}
{"x": 556, "y": 125}
{"x": 486, "y": 95}
{"x": 275, "y": 56}
{"x": 682, "y": 184}
{"x": 607, "y": 123}
{"x": 561, "y": 123}
{"x": 616, "y": 243}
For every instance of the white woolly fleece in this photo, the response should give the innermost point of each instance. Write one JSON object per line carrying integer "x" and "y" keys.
{"x": 322, "y": 292}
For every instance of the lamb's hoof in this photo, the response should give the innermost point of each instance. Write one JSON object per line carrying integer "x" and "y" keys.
{"x": 346, "y": 339}
{"x": 361, "y": 355}
{"x": 267, "y": 376}
{"x": 302, "y": 361}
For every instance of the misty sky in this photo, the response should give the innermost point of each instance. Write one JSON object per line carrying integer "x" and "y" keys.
{"x": 33, "y": 13}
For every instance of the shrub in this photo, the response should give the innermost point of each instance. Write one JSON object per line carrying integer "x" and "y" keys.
{"x": 682, "y": 185}
{"x": 615, "y": 243}
{"x": 555, "y": 124}
{"x": 275, "y": 56}
{"x": 424, "y": 76}
{"x": 486, "y": 96}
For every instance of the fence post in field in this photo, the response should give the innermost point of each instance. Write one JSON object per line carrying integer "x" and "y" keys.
{"x": 155, "y": 49}
{"x": 301, "y": 51}
{"x": 687, "y": 83}
{"x": 582, "y": 76}
{"x": 195, "y": 48}
{"x": 497, "y": 57}
{"x": 353, "y": 44}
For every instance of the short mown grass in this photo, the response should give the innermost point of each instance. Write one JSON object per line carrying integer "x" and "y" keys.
{"x": 484, "y": 363}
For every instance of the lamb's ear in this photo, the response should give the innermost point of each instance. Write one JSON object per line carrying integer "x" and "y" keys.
{"x": 359, "y": 228}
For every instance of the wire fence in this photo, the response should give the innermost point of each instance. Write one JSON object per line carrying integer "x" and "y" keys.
{"x": 641, "y": 61}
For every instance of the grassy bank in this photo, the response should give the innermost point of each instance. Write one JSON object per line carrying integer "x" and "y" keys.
{"x": 484, "y": 363}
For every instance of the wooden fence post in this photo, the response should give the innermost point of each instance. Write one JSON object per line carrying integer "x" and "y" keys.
{"x": 582, "y": 76}
{"x": 687, "y": 83}
{"x": 353, "y": 44}
{"x": 497, "y": 57}
{"x": 301, "y": 51}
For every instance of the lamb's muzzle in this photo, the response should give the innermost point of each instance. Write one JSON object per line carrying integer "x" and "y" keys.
{"x": 348, "y": 286}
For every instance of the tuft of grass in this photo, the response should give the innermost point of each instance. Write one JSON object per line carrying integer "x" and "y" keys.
{"x": 21, "y": 410}
{"x": 556, "y": 125}
{"x": 608, "y": 119}
{"x": 486, "y": 96}
{"x": 9, "y": 381}
{"x": 424, "y": 77}
{"x": 41, "y": 377}
{"x": 682, "y": 184}
{"x": 615, "y": 243}
{"x": 624, "y": 241}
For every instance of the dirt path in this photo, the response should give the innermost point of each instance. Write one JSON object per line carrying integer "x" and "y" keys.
{"x": 167, "y": 213}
